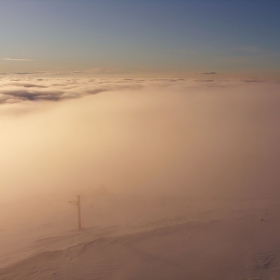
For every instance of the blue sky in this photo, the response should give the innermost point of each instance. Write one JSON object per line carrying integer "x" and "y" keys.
{"x": 144, "y": 38}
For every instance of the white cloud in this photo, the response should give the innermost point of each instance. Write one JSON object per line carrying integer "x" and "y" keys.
{"x": 208, "y": 73}
{"x": 16, "y": 59}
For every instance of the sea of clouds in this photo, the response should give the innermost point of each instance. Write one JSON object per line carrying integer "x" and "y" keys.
{"x": 197, "y": 138}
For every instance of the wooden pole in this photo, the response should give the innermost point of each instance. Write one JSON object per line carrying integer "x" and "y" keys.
{"x": 79, "y": 213}
{"x": 78, "y": 204}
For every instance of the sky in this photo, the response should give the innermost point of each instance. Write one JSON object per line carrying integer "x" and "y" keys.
{"x": 159, "y": 38}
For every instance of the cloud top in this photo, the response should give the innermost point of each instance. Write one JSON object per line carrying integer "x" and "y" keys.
{"x": 161, "y": 136}
{"x": 15, "y": 90}
{"x": 24, "y": 88}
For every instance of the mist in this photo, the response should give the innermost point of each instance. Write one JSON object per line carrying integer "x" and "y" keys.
{"x": 195, "y": 138}
{"x": 184, "y": 138}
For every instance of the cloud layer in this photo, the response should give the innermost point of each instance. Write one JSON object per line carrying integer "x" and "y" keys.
{"x": 176, "y": 136}
{"x": 16, "y": 89}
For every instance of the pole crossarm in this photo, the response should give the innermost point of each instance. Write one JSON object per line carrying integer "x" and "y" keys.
{"x": 74, "y": 202}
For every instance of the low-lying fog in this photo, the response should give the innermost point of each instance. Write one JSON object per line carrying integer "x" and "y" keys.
{"x": 198, "y": 139}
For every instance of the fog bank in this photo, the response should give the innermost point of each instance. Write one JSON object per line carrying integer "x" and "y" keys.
{"x": 196, "y": 138}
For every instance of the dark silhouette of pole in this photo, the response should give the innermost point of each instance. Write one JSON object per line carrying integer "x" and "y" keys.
{"x": 78, "y": 204}
{"x": 79, "y": 213}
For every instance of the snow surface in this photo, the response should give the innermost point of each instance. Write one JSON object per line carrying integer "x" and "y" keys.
{"x": 161, "y": 238}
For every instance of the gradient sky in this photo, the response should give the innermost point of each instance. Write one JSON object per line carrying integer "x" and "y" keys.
{"x": 141, "y": 38}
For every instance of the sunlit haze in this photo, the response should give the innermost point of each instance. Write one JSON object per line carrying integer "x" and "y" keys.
{"x": 158, "y": 121}
{"x": 200, "y": 138}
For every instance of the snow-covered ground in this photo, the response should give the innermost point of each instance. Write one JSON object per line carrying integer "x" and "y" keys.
{"x": 149, "y": 238}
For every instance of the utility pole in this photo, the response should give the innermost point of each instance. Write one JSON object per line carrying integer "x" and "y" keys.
{"x": 78, "y": 204}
